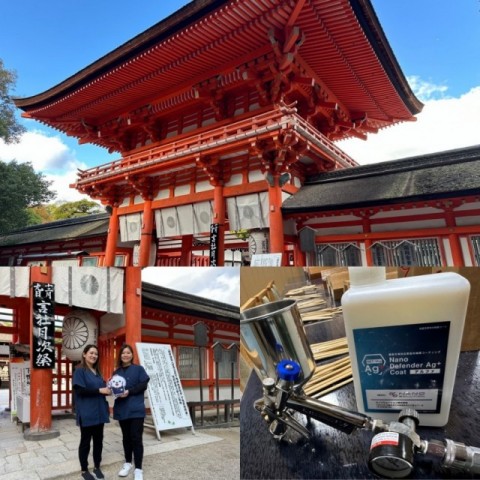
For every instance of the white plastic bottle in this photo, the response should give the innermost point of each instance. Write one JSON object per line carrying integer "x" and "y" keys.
{"x": 404, "y": 337}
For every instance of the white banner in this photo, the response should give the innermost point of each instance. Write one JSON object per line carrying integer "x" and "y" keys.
{"x": 167, "y": 222}
{"x": 185, "y": 217}
{"x": 184, "y": 220}
{"x": 203, "y": 216}
{"x": 98, "y": 288}
{"x": 248, "y": 211}
{"x": 165, "y": 393}
{"x": 14, "y": 281}
{"x": 131, "y": 227}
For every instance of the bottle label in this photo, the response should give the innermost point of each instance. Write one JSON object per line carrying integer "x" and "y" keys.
{"x": 402, "y": 366}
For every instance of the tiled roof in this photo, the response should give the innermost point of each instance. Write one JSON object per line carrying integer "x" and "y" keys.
{"x": 425, "y": 177}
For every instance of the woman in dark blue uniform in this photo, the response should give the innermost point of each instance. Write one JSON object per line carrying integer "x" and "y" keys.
{"x": 91, "y": 408}
{"x": 129, "y": 410}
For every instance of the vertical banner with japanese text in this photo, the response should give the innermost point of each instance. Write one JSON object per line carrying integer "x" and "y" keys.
{"x": 43, "y": 354}
{"x": 214, "y": 244}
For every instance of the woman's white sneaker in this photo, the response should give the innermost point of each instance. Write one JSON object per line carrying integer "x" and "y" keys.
{"x": 138, "y": 474}
{"x": 125, "y": 470}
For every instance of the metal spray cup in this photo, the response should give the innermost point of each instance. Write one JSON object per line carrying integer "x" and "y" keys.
{"x": 273, "y": 332}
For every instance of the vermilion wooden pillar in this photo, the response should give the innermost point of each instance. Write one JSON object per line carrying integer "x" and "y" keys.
{"x": 146, "y": 238}
{"x": 112, "y": 239}
{"x": 22, "y": 319}
{"x": 275, "y": 216}
{"x": 367, "y": 228}
{"x": 133, "y": 307}
{"x": 219, "y": 217}
{"x": 186, "y": 254}
{"x": 455, "y": 247}
{"x": 40, "y": 378}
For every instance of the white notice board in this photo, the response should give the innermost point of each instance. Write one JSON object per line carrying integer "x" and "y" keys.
{"x": 165, "y": 393}
{"x": 19, "y": 382}
{"x": 266, "y": 260}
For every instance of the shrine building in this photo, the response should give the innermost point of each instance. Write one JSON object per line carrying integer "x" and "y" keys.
{"x": 219, "y": 114}
{"x": 422, "y": 210}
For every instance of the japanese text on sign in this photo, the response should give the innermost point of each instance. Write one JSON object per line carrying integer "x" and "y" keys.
{"x": 43, "y": 355}
{"x": 214, "y": 244}
{"x": 165, "y": 393}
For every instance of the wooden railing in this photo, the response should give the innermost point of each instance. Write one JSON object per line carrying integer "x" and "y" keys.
{"x": 217, "y": 140}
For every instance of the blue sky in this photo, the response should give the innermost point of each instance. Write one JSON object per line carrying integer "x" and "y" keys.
{"x": 435, "y": 42}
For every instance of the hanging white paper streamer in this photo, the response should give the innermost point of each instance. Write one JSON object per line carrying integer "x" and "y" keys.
{"x": 203, "y": 216}
{"x": 99, "y": 288}
{"x": 248, "y": 211}
{"x": 131, "y": 227}
{"x": 14, "y": 281}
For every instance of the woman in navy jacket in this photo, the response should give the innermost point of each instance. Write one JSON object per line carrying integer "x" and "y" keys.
{"x": 129, "y": 410}
{"x": 91, "y": 409}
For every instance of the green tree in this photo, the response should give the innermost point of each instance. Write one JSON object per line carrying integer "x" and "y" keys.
{"x": 10, "y": 129}
{"x": 41, "y": 214}
{"x": 20, "y": 187}
{"x": 79, "y": 208}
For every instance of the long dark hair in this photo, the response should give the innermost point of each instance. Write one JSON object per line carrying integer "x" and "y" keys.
{"x": 124, "y": 347}
{"x": 96, "y": 365}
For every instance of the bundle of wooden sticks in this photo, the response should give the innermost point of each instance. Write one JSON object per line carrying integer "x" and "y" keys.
{"x": 319, "y": 315}
{"x": 332, "y": 375}
{"x": 305, "y": 290}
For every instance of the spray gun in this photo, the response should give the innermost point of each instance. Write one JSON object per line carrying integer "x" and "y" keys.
{"x": 273, "y": 339}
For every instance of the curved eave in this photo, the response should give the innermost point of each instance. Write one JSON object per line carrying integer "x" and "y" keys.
{"x": 155, "y": 296}
{"x": 167, "y": 27}
{"x": 345, "y": 49}
{"x": 374, "y": 31}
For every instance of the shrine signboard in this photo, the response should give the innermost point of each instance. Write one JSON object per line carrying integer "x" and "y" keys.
{"x": 214, "y": 232}
{"x": 43, "y": 347}
{"x": 165, "y": 392}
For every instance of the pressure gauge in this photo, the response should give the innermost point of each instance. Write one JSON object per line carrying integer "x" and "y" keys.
{"x": 391, "y": 455}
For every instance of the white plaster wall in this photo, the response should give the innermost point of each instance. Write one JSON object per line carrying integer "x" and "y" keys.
{"x": 235, "y": 179}
{"x": 255, "y": 176}
{"x": 406, "y": 212}
{"x": 162, "y": 194}
{"x": 463, "y": 221}
{"x": 448, "y": 252}
{"x": 203, "y": 186}
{"x": 467, "y": 258}
{"x": 339, "y": 230}
{"x": 182, "y": 190}
{"x": 340, "y": 218}
{"x": 394, "y": 227}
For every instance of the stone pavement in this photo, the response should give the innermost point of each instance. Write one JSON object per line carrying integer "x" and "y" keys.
{"x": 181, "y": 454}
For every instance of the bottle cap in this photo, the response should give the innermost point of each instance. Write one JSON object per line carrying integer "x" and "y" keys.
{"x": 366, "y": 275}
